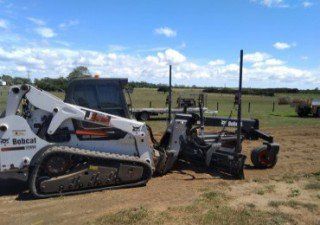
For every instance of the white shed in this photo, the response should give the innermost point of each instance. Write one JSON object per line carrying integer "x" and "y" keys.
{"x": 3, "y": 83}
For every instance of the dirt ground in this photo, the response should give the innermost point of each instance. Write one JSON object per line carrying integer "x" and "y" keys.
{"x": 299, "y": 157}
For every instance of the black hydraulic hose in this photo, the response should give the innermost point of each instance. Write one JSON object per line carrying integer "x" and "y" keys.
{"x": 205, "y": 147}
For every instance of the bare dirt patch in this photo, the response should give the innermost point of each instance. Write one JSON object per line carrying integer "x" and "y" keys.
{"x": 299, "y": 157}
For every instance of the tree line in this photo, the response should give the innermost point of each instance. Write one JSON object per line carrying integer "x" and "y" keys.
{"x": 261, "y": 91}
{"x": 47, "y": 83}
{"x": 61, "y": 83}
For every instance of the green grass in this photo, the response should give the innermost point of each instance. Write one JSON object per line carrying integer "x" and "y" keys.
{"x": 294, "y": 204}
{"x": 313, "y": 186}
{"x": 294, "y": 192}
{"x": 261, "y": 106}
{"x": 128, "y": 216}
{"x": 317, "y": 175}
{"x": 266, "y": 189}
{"x": 289, "y": 178}
{"x": 210, "y": 208}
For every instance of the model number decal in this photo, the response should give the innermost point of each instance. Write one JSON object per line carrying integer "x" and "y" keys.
{"x": 30, "y": 147}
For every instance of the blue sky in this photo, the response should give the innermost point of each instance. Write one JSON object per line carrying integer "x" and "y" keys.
{"x": 138, "y": 39}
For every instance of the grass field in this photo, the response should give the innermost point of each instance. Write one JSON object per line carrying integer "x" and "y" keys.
{"x": 261, "y": 106}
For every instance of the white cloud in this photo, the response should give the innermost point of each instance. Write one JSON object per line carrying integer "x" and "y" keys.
{"x": 256, "y": 57}
{"x": 272, "y": 3}
{"x": 36, "y": 21}
{"x": 4, "y": 24}
{"x": 282, "y": 45}
{"x": 45, "y": 32}
{"x": 307, "y": 4}
{"x": 41, "y": 29}
{"x": 261, "y": 69}
{"x": 21, "y": 68}
{"x": 153, "y": 49}
{"x": 274, "y": 62}
{"x": 68, "y": 23}
{"x": 217, "y": 62}
{"x": 166, "y": 31}
{"x": 268, "y": 62}
{"x": 171, "y": 56}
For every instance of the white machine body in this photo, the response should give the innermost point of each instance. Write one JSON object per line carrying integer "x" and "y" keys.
{"x": 19, "y": 141}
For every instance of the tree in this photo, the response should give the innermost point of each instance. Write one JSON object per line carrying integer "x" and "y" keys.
{"x": 21, "y": 80}
{"x": 163, "y": 89}
{"x": 52, "y": 84}
{"x": 79, "y": 72}
{"x": 8, "y": 79}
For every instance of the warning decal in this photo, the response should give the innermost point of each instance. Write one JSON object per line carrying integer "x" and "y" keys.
{"x": 98, "y": 118}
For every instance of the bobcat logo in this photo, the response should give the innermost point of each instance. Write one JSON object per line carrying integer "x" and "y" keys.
{"x": 4, "y": 141}
{"x": 135, "y": 129}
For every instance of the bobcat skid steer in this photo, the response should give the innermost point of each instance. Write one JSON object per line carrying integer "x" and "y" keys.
{"x": 88, "y": 142}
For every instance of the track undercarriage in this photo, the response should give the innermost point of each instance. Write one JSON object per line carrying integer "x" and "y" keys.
{"x": 60, "y": 170}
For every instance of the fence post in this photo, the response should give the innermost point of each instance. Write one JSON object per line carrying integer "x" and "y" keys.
{"x": 150, "y": 104}
{"x": 273, "y": 106}
{"x": 249, "y": 107}
{"x": 217, "y": 106}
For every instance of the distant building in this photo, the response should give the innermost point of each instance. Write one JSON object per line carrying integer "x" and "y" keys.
{"x": 3, "y": 83}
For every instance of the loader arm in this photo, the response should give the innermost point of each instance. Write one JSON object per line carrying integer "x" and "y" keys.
{"x": 62, "y": 111}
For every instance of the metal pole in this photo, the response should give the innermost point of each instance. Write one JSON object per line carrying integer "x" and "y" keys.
{"x": 170, "y": 93}
{"x": 239, "y": 104}
{"x": 201, "y": 104}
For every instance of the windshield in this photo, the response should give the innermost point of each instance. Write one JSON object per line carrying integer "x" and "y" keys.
{"x": 106, "y": 97}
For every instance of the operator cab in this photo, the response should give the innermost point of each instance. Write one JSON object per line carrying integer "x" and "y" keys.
{"x": 105, "y": 95}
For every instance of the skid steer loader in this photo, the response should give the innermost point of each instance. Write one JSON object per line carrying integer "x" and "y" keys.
{"x": 88, "y": 142}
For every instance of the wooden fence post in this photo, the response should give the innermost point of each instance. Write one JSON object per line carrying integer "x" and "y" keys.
{"x": 273, "y": 106}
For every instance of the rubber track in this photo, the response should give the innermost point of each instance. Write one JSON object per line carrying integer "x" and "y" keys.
{"x": 86, "y": 153}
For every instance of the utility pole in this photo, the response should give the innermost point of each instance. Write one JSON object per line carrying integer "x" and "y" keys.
{"x": 170, "y": 94}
